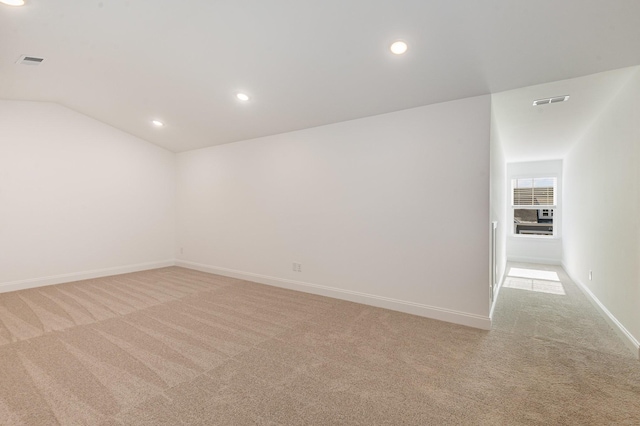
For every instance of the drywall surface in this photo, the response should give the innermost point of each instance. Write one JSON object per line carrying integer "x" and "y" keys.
{"x": 536, "y": 249}
{"x": 78, "y": 197}
{"x": 499, "y": 202}
{"x": 391, "y": 210}
{"x": 602, "y": 200}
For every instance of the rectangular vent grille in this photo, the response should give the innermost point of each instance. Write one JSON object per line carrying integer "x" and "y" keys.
{"x": 29, "y": 60}
{"x": 541, "y": 102}
{"x": 553, "y": 100}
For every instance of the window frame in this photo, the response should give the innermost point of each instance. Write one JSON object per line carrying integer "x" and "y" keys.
{"x": 554, "y": 207}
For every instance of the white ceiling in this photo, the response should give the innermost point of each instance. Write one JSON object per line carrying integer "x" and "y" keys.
{"x": 304, "y": 63}
{"x": 547, "y": 132}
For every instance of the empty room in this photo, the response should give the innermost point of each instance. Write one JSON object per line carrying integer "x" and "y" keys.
{"x": 319, "y": 213}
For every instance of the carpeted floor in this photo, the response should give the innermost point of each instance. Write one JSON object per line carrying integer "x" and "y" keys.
{"x": 173, "y": 346}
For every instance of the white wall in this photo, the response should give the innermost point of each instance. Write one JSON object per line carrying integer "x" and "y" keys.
{"x": 79, "y": 198}
{"x": 536, "y": 249}
{"x": 390, "y": 210}
{"x": 499, "y": 200}
{"x": 602, "y": 207}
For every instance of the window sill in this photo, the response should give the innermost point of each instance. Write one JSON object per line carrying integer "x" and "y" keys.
{"x": 535, "y": 237}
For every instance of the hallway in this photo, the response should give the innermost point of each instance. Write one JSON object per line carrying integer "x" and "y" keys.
{"x": 541, "y": 302}
{"x": 556, "y": 356}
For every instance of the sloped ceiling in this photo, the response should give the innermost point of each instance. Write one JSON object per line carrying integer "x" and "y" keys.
{"x": 304, "y": 63}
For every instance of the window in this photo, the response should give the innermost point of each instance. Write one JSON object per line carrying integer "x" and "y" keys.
{"x": 533, "y": 201}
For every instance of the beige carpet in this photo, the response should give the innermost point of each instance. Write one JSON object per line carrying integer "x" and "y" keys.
{"x": 174, "y": 346}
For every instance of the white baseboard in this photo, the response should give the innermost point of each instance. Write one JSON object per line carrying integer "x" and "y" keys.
{"x": 542, "y": 260}
{"x": 442, "y": 314}
{"x": 85, "y": 275}
{"x": 630, "y": 341}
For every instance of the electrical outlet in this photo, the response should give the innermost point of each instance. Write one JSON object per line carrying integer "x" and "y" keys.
{"x": 181, "y": 250}
{"x": 297, "y": 267}
{"x": 590, "y": 275}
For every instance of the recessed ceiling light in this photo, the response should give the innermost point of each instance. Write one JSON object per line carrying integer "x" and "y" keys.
{"x": 158, "y": 123}
{"x": 399, "y": 47}
{"x": 13, "y": 2}
{"x": 242, "y": 96}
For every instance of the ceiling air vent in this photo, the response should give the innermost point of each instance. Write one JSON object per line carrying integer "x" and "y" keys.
{"x": 558, "y": 99}
{"x": 29, "y": 60}
{"x": 553, "y": 100}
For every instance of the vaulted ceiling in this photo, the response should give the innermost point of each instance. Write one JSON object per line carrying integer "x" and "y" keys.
{"x": 303, "y": 63}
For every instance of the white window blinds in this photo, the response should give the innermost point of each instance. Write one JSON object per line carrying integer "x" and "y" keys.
{"x": 534, "y": 192}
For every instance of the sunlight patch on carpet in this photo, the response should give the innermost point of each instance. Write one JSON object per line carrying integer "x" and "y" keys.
{"x": 534, "y": 280}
